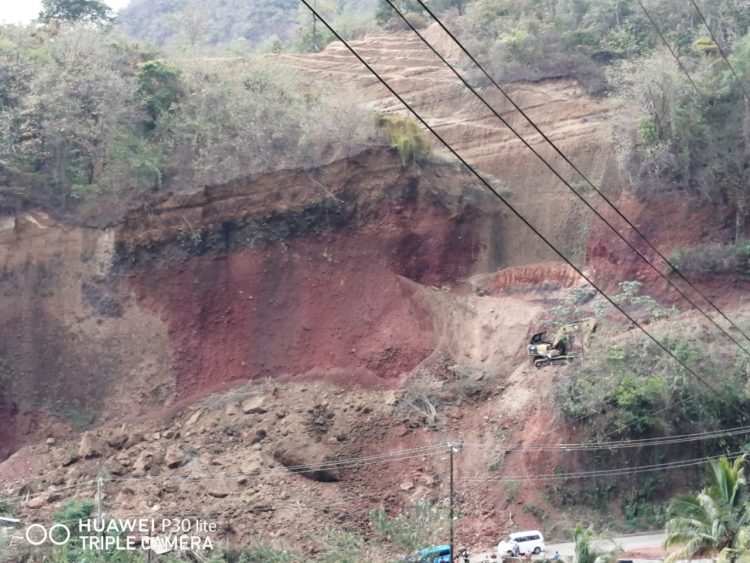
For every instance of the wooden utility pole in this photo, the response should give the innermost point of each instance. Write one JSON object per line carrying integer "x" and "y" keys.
{"x": 454, "y": 448}
{"x": 450, "y": 503}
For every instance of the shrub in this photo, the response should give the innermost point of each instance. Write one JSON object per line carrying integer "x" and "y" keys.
{"x": 419, "y": 526}
{"x": 712, "y": 259}
{"x": 405, "y": 136}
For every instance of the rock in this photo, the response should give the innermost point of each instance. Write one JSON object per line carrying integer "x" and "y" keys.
{"x": 36, "y": 502}
{"x": 170, "y": 487}
{"x": 144, "y": 462}
{"x": 219, "y": 488}
{"x": 118, "y": 440}
{"x": 194, "y": 418}
{"x": 53, "y": 495}
{"x": 258, "y": 437}
{"x": 63, "y": 457}
{"x": 133, "y": 439}
{"x": 252, "y": 467}
{"x": 254, "y": 405}
{"x": 406, "y": 486}
{"x": 51, "y": 441}
{"x": 169, "y": 434}
{"x": 174, "y": 457}
{"x": 232, "y": 410}
{"x": 115, "y": 467}
{"x": 390, "y": 398}
{"x": 242, "y": 480}
{"x": 308, "y": 460}
{"x": 91, "y": 446}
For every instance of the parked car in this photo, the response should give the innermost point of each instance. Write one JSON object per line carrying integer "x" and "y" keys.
{"x": 531, "y": 541}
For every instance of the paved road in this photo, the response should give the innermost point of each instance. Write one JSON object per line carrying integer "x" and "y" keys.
{"x": 626, "y": 543}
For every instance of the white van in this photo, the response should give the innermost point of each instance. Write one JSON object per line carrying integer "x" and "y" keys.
{"x": 532, "y": 541}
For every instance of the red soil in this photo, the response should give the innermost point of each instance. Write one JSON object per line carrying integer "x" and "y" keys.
{"x": 674, "y": 222}
{"x": 333, "y": 303}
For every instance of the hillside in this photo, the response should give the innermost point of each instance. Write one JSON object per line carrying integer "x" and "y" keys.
{"x": 295, "y": 292}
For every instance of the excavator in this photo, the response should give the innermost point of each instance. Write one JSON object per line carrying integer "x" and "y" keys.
{"x": 545, "y": 352}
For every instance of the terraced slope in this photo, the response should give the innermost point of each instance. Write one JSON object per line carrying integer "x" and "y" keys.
{"x": 572, "y": 119}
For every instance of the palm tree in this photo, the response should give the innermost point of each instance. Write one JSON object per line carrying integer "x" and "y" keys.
{"x": 714, "y": 521}
{"x": 584, "y": 552}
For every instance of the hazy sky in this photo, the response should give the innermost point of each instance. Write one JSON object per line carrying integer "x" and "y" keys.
{"x": 23, "y": 11}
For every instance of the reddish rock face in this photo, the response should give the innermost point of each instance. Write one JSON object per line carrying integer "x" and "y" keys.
{"x": 7, "y": 427}
{"x": 340, "y": 301}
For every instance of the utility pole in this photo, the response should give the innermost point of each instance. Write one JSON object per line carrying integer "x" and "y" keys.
{"x": 99, "y": 486}
{"x": 454, "y": 448}
{"x": 450, "y": 502}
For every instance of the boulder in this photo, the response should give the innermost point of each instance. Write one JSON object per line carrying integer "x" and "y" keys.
{"x": 259, "y": 436}
{"x": 115, "y": 467}
{"x": 254, "y": 405}
{"x": 194, "y": 418}
{"x": 174, "y": 457}
{"x": 118, "y": 440}
{"x": 91, "y": 446}
{"x": 308, "y": 460}
{"x": 63, "y": 457}
{"x": 36, "y": 502}
{"x": 219, "y": 488}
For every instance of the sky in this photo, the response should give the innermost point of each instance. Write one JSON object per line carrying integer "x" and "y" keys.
{"x": 23, "y": 11}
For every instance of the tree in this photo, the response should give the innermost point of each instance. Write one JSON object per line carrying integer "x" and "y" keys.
{"x": 91, "y": 11}
{"x": 160, "y": 89}
{"x": 385, "y": 12}
{"x": 584, "y": 552}
{"x": 714, "y": 521}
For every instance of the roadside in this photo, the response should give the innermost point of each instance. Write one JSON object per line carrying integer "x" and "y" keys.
{"x": 639, "y": 548}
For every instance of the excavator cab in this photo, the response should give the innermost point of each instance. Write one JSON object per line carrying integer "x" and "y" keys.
{"x": 538, "y": 338}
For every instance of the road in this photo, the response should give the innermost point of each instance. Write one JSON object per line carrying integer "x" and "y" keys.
{"x": 640, "y": 542}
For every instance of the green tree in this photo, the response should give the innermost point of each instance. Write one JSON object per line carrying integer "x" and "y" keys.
{"x": 714, "y": 521}
{"x": 160, "y": 89}
{"x": 385, "y": 12}
{"x": 91, "y": 11}
{"x": 584, "y": 551}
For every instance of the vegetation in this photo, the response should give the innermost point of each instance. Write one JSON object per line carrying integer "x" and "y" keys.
{"x": 242, "y": 28}
{"x": 711, "y": 259}
{"x": 423, "y": 524}
{"x": 91, "y": 11}
{"x": 715, "y": 521}
{"x": 405, "y": 136}
{"x": 88, "y": 118}
{"x": 584, "y": 550}
{"x": 646, "y": 393}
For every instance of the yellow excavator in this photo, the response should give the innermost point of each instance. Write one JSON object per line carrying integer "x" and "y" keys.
{"x": 545, "y": 352}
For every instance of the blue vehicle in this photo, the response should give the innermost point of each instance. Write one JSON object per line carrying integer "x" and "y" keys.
{"x": 438, "y": 554}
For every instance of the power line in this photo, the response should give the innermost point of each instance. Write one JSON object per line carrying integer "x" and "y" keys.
{"x": 620, "y": 471}
{"x": 721, "y": 51}
{"x": 513, "y": 209}
{"x": 579, "y": 172}
{"x": 412, "y": 453}
{"x": 674, "y": 54}
{"x": 641, "y": 443}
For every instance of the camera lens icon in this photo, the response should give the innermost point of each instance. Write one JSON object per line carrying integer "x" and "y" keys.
{"x": 36, "y": 534}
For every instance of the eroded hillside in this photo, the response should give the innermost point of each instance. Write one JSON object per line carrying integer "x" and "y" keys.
{"x": 352, "y": 298}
